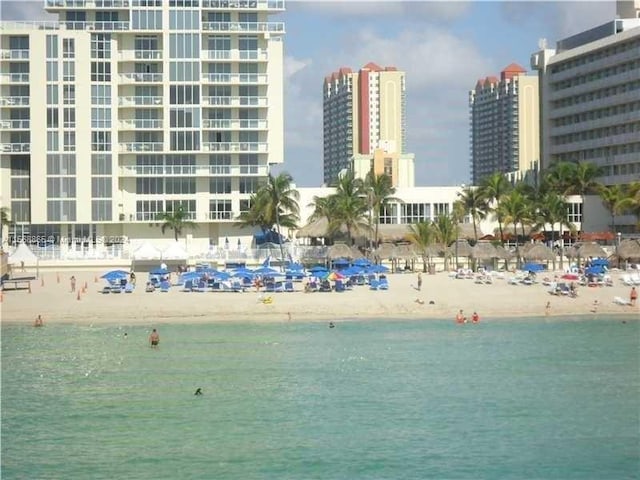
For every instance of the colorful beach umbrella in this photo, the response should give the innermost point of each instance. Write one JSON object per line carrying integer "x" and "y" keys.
{"x": 115, "y": 275}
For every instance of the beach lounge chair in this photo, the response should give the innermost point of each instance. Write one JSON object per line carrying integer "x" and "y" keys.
{"x": 128, "y": 288}
{"x": 339, "y": 286}
{"x": 288, "y": 286}
{"x": 270, "y": 287}
{"x": 373, "y": 284}
{"x": 325, "y": 286}
{"x": 106, "y": 289}
{"x": 201, "y": 287}
{"x": 188, "y": 286}
{"x": 164, "y": 286}
{"x": 383, "y": 284}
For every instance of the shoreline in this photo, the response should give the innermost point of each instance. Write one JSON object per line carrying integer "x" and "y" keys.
{"x": 52, "y": 298}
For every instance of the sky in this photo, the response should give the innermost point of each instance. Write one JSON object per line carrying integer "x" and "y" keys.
{"x": 444, "y": 48}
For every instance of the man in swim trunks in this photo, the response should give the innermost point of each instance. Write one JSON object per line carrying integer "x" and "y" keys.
{"x": 154, "y": 338}
{"x": 460, "y": 318}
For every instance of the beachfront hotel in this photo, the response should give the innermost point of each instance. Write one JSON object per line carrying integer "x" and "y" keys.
{"x": 123, "y": 109}
{"x": 590, "y": 97}
{"x": 364, "y": 124}
{"x": 504, "y": 119}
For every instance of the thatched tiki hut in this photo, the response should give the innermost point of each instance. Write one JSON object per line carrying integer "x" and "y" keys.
{"x": 460, "y": 248}
{"x": 539, "y": 252}
{"x": 484, "y": 252}
{"x": 339, "y": 250}
{"x": 628, "y": 250}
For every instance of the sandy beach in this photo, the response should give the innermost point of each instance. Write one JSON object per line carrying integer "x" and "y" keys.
{"x": 56, "y": 303}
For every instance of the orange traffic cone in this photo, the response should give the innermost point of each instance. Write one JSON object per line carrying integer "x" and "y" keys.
{"x": 42, "y": 282}
{"x": 78, "y": 297}
{"x": 95, "y": 279}
{"x": 86, "y": 285}
{"x": 58, "y": 277}
{"x": 29, "y": 287}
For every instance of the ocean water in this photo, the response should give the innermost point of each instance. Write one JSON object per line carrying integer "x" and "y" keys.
{"x": 520, "y": 399}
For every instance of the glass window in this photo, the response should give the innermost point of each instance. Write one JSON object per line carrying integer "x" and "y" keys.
{"x": 101, "y": 164}
{"x": 52, "y": 46}
{"x": 220, "y": 185}
{"x": 52, "y": 71}
{"x": 100, "y": 45}
{"x": 149, "y": 185}
{"x": 101, "y": 210}
{"x": 52, "y": 118}
{"x": 52, "y": 94}
{"x": 68, "y": 48}
{"x": 101, "y": 187}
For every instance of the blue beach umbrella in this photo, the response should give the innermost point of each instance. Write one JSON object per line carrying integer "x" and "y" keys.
{"x": 115, "y": 275}
{"x": 159, "y": 271}
{"x": 362, "y": 262}
{"x": 266, "y": 271}
{"x": 533, "y": 267}
{"x": 318, "y": 269}
{"x": 377, "y": 269}
{"x": 222, "y": 276}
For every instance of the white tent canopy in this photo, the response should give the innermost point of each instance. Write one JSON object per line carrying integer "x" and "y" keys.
{"x": 175, "y": 251}
{"x": 146, "y": 251}
{"x": 22, "y": 253}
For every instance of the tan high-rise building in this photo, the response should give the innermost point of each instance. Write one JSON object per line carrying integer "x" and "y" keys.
{"x": 363, "y": 111}
{"x": 504, "y": 116}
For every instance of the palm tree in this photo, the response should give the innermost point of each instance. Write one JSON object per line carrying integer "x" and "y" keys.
{"x": 631, "y": 200}
{"x": 177, "y": 221}
{"x": 422, "y": 235}
{"x": 515, "y": 210}
{"x": 5, "y": 219}
{"x": 583, "y": 182}
{"x": 552, "y": 209}
{"x": 379, "y": 190}
{"x": 475, "y": 204}
{"x": 279, "y": 201}
{"x": 612, "y": 197}
{"x": 559, "y": 176}
{"x": 323, "y": 207}
{"x": 350, "y": 204}
{"x": 446, "y": 230}
{"x": 494, "y": 188}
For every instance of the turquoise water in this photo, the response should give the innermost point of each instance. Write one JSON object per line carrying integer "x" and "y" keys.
{"x": 518, "y": 399}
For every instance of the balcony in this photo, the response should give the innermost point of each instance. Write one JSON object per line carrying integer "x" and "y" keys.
{"x": 243, "y": 27}
{"x": 209, "y": 123}
{"x": 14, "y": 54}
{"x": 136, "y": 101}
{"x": 140, "y": 124}
{"x": 236, "y": 78}
{"x": 58, "y": 4}
{"x": 15, "y": 147}
{"x": 14, "y": 124}
{"x": 220, "y": 215}
{"x": 134, "y": 55}
{"x": 154, "y": 170}
{"x": 96, "y": 26}
{"x": 235, "y": 101}
{"x": 237, "y": 171}
{"x": 260, "y": 147}
{"x": 276, "y": 5}
{"x": 141, "y": 147}
{"x": 14, "y": 101}
{"x": 234, "y": 55}
{"x": 140, "y": 77}
{"x": 14, "y": 78}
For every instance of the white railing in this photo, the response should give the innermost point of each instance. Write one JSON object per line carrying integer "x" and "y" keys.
{"x": 14, "y": 101}
{"x": 244, "y": 27}
{"x": 236, "y": 170}
{"x": 87, "y": 3}
{"x": 244, "y": 78}
{"x": 234, "y": 55}
{"x": 235, "y": 147}
{"x": 140, "y": 100}
{"x": 136, "y": 170}
{"x": 15, "y": 147}
{"x": 234, "y": 124}
{"x": 14, "y": 77}
{"x": 14, "y": 54}
{"x": 236, "y": 101}
{"x": 147, "y": 123}
{"x": 130, "y": 55}
{"x": 140, "y": 77}
{"x": 14, "y": 124}
{"x": 220, "y": 215}
{"x": 141, "y": 147}
{"x": 243, "y": 4}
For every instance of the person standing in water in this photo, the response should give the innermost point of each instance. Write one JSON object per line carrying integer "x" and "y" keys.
{"x": 154, "y": 338}
{"x": 38, "y": 322}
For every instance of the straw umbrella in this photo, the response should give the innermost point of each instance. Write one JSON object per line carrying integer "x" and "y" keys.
{"x": 483, "y": 251}
{"x": 339, "y": 250}
{"x": 315, "y": 229}
{"x": 539, "y": 252}
{"x": 356, "y": 253}
{"x": 591, "y": 249}
{"x": 629, "y": 248}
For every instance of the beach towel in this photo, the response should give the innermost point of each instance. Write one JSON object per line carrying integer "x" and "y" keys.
{"x": 621, "y": 301}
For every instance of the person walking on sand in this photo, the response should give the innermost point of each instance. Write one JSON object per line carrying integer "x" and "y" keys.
{"x": 419, "y": 281}
{"x": 547, "y": 309}
{"x": 38, "y": 322}
{"x": 73, "y": 283}
{"x": 633, "y": 296}
{"x": 154, "y": 338}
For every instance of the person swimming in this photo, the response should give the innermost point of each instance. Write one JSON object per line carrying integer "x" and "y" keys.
{"x": 198, "y": 391}
{"x": 331, "y": 325}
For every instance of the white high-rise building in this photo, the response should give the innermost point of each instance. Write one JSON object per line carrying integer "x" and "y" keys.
{"x": 590, "y": 97}
{"x": 127, "y": 108}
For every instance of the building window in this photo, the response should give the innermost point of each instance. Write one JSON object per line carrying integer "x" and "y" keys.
{"x": 149, "y": 186}
{"x": 415, "y": 212}
{"x": 52, "y": 46}
{"x": 101, "y": 210}
{"x": 220, "y": 185}
{"x": 68, "y": 48}
{"x": 180, "y": 185}
{"x": 100, "y": 45}
{"x": 61, "y": 164}
{"x": 220, "y": 209}
{"x": 248, "y": 184}
{"x": 100, "y": 141}
{"x": 101, "y": 164}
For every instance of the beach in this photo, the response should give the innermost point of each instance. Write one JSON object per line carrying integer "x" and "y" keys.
{"x": 440, "y": 296}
